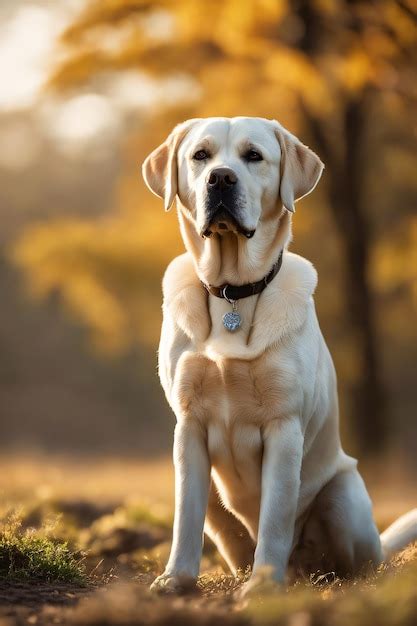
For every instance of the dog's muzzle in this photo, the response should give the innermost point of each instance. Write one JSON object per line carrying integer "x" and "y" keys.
{"x": 221, "y": 220}
{"x": 222, "y": 204}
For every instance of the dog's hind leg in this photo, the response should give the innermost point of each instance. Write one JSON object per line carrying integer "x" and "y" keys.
{"x": 228, "y": 534}
{"x": 340, "y": 535}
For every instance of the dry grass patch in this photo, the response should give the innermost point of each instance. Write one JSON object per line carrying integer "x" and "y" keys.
{"x": 387, "y": 599}
{"x": 33, "y": 555}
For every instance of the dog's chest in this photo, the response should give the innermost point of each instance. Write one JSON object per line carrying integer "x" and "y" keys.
{"x": 232, "y": 399}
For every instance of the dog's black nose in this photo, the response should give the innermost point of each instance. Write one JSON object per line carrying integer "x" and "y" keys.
{"x": 221, "y": 178}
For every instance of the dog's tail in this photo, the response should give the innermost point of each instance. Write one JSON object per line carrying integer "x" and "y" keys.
{"x": 399, "y": 535}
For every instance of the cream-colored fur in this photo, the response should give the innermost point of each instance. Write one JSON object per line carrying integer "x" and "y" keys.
{"x": 257, "y": 453}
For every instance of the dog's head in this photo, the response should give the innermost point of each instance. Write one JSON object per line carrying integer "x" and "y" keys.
{"x": 228, "y": 172}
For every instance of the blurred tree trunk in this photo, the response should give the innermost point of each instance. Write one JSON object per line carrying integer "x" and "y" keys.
{"x": 346, "y": 190}
{"x": 346, "y": 185}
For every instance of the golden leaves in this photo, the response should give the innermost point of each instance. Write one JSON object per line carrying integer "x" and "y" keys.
{"x": 107, "y": 272}
{"x": 364, "y": 42}
{"x": 291, "y": 69}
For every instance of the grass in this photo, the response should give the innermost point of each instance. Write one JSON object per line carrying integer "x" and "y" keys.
{"x": 387, "y": 599}
{"x": 31, "y": 555}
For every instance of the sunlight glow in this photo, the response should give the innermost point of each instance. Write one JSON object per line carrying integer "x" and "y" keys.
{"x": 26, "y": 41}
{"x": 28, "y": 49}
{"x": 83, "y": 117}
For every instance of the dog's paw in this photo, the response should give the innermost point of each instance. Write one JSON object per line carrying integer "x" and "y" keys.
{"x": 173, "y": 583}
{"x": 260, "y": 583}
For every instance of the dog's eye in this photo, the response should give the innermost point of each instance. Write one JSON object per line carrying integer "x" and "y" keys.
{"x": 253, "y": 155}
{"x": 200, "y": 155}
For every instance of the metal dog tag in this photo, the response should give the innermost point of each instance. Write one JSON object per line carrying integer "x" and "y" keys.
{"x": 232, "y": 319}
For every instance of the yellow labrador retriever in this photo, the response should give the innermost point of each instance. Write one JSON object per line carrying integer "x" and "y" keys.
{"x": 245, "y": 368}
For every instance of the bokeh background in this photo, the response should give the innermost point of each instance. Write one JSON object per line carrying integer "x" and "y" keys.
{"x": 88, "y": 89}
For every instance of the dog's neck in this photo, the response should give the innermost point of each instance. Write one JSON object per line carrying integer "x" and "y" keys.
{"x": 232, "y": 259}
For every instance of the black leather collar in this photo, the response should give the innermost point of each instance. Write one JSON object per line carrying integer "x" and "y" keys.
{"x": 237, "y": 292}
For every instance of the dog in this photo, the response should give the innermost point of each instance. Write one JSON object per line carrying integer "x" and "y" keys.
{"x": 257, "y": 454}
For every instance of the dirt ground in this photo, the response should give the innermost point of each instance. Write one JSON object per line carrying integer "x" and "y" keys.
{"x": 26, "y": 602}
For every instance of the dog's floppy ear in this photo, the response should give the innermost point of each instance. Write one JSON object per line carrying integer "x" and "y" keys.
{"x": 160, "y": 169}
{"x": 300, "y": 167}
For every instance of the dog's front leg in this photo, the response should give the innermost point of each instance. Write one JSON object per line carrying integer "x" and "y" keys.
{"x": 192, "y": 481}
{"x": 281, "y": 468}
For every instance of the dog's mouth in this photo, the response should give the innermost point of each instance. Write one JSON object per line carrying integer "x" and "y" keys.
{"x": 222, "y": 220}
